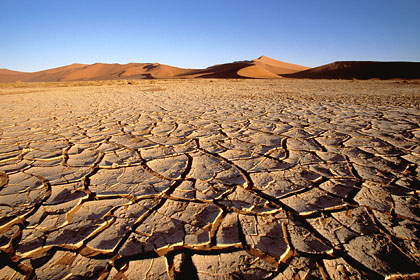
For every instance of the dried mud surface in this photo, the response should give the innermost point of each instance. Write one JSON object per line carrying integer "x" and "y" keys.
{"x": 211, "y": 179}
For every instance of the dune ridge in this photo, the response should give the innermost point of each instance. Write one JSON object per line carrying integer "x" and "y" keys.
{"x": 278, "y": 67}
{"x": 262, "y": 67}
{"x": 97, "y": 71}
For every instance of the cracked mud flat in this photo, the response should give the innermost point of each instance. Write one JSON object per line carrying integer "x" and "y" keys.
{"x": 213, "y": 179}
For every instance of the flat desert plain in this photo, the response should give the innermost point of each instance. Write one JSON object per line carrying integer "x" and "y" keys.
{"x": 210, "y": 179}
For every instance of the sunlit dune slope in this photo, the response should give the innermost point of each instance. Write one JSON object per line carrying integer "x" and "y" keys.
{"x": 263, "y": 67}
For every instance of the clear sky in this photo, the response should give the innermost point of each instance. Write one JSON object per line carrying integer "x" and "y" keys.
{"x": 41, "y": 34}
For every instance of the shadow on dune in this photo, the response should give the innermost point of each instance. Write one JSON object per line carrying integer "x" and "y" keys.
{"x": 221, "y": 71}
{"x": 362, "y": 70}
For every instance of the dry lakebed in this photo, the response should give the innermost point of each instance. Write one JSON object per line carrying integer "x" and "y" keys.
{"x": 210, "y": 179}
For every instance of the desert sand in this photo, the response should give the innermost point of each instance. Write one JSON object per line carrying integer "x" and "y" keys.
{"x": 210, "y": 179}
{"x": 263, "y": 67}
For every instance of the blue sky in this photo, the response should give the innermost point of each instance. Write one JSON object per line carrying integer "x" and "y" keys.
{"x": 37, "y": 35}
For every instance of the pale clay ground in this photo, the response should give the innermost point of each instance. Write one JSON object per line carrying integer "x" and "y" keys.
{"x": 211, "y": 179}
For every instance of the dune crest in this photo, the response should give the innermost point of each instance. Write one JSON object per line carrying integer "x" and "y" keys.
{"x": 256, "y": 71}
{"x": 278, "y": 67}
{"x": 261, "y": 68}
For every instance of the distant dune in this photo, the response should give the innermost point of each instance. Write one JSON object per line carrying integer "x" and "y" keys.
{"x": 260, "y": 68}
{"x": 278, "y": 67}
{"x": 362, "y": 70}
{"x": 8, "y": 72}
{"x": 97, "y": 71}
{"x": 263, "y": 67}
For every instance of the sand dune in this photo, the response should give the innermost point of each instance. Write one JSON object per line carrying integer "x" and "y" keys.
{"x": 260, "y": 68}
{"x": 54, "y": 74}
{"x": 8, "y": 72}
{"x": 227, "y": 70}
{"x": 278, "y": 67}
{"x": 97, "y": 71}
{"x": 263, "y": 67}
{"x": 101, "y": 71}
{"x": 362, "y": 70}
{"x": 256, "y": 71}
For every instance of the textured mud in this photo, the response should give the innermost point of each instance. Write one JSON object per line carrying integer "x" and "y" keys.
{"x": 211, "y": 180}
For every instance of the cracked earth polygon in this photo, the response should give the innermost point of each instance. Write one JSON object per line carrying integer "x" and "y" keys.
{"x": 211, "y": 179}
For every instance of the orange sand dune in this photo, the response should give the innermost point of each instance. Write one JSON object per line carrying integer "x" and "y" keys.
{"x": 263, "y": 67}
{"x": 256, "y": 71}
{"x": 97, "y": 71}
{"x": 8, "y": 72}
{"x": 102, "y": 71}
{"x": 278, "y": 67}
{"x": 54, "y": 74}
{"x": 362, "y": 70}
{"x": 227, "y": 70}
